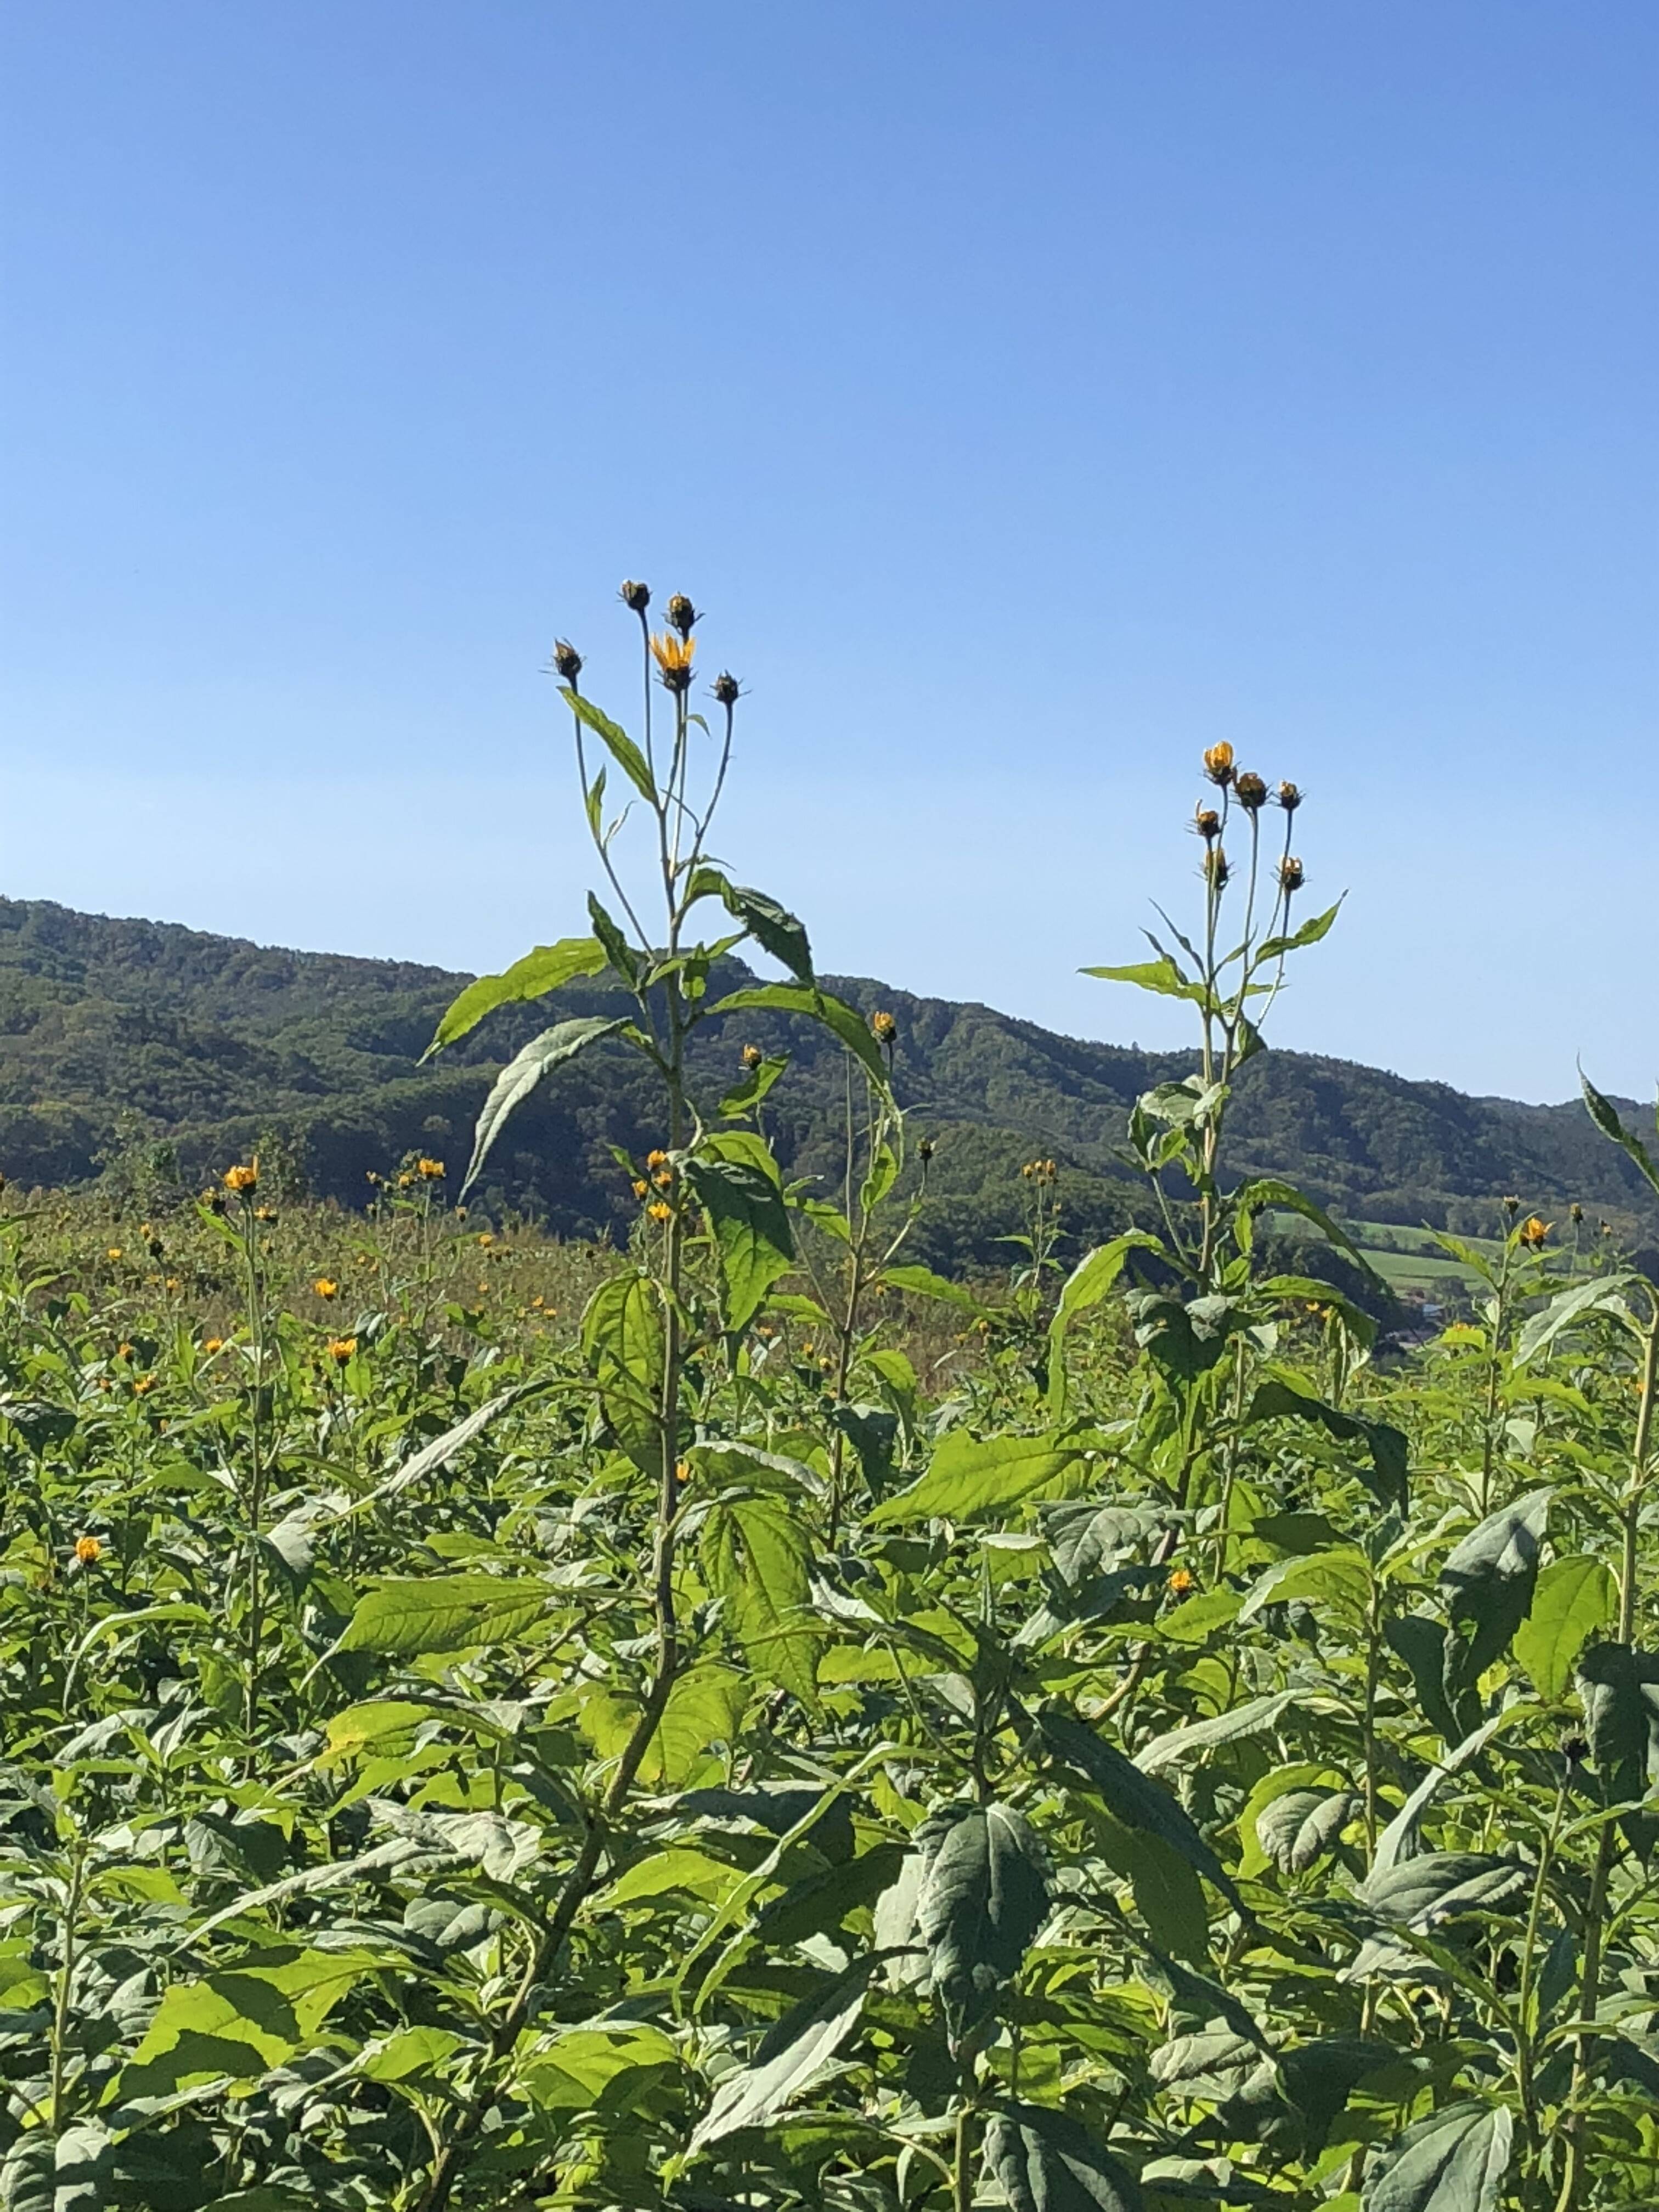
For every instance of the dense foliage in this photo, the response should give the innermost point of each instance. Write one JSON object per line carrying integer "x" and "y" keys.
{"x": 713, "y": 1753}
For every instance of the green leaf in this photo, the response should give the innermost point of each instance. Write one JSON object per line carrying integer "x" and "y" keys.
{"x": 923, "y": 1283}
{"x": 1601, "y": 1294}
{"x": 843, "y": 1021}
{"x": 1620, "y": 1687}
{"x": 1318, "y": 2078}
{"x": 1487, "y": 1584}
{"x": 772, "y": 928}
{"x": 441, "y": 1613}
{"x": 1044, "y": 2161}
{"x": 705, "y": 1706}
{"x": 1250, "y": 1719}
{"x": 625, "y": 1344}
{"x": 1130, "y": 1796}
{"x": 968, "y": 1476}
{"x": 1316, "y": 926}
{"x": 624, "y": 751}
{"x": 756, "y": 1554}
{"x": 753, "y": 1086}
{"x": 1282, "y": 1397}
{"x": 524, "y": 1071}
{"x": 242, "y": 2020}
{"x": 1088, "y": 1283}
{"x": 1162, "y": 977}
{"x": 1575, "y": 1597}
{"x": 617, "y": 950}
{"x": 1605, "y": 1114}
{"x": 1453, "y": 2161}
{"x": 791, "y": 2060}
{"x": 1302, "y": 1825}
{"x": 1399, "y": 1839}
{"x": 549, "y": 968}
{"x": 749, "y": 1224}
{"x": 984, "y": 1895}
{"x": 438, "y": 1453}
{"x": 1421, "y": 1893}
{"x": 1269, "y": 1192}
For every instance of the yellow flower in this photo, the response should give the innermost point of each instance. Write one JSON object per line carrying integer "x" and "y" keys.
{"x": 664, "y": 1178}
{"x": 212, "y": 1344}
{"x": 123, "y": 1352}
{"x": 113, "y": 1253}
{"x": 89, "y": 1550}
{"x": 326, "y": 1287}
{"x": 485, "y": 1238}
{"x": 143, "y": 1385}
{"x": 673, "y": 657}
{"x": 1179, "y": 1583}
{"x": 1533, "y": 1231}
{"x": 752, "y": 1055}
{"x": 1208, "y": 822}
{"x": 659, "y": 1212}
{"x": 173, "y": 1284}
{"x": 641, "y": 1186}
{"x": 656, "y": 1159}
{"x": 242, "y": 1178}
{"x": 1218, "y": 764}
{"x": 884, "y": 1027}
{"x": 341, "y": 1348}
{"x": 264, "y": 1214}
{"x": 682, "y": 1470}
{"x": 429, "y": 1170}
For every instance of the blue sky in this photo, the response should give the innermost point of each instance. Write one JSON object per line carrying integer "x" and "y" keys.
{"x": 1034, "y": 395}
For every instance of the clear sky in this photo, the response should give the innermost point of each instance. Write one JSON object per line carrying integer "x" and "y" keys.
{"x": 1034, "y": 394}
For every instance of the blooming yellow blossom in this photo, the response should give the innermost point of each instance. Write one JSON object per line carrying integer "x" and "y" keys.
{"x": 244, "y": 1177}
{"x": 88, "y": 1551}
{"x": 341, "y": 1348}
{"x": 326, "y": 1287}
{"x": 1179, "y": 1583}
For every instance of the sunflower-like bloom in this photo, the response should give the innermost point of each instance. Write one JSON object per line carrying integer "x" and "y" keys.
{"x": 1533, "y": 1231}
{"x": 884, "y": 1027}
{"x": 1250, "y": 791}
{"x": 673, "y": 657}
{"x": 1290, "y": 877}
{"x": 659, "y": 1212}
{"x": 429, "y": 1170}
{"x": 326, "y": 1287}
{"x": 1179, "y": 1583}
{"x": 641, "y": 1186}
{"x": 341, "y": 1349}
{"x": 212, "y": 1344}
{"x": 89, "y": 1550}
{"x": 245, "y": 1177}
{"x": 1218, "y": 763}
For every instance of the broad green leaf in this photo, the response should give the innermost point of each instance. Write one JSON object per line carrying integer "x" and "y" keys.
{"x": 524, "y": 1071}
{"x": 1168, "y": 1894}
{"x": 1454, "y": 2160}
{"x": 1420, "y": 1892}
{"x": 843, "y": 1021}
{"x": 1341, "y": 1577}
{"x": 1270, "y": 1192}
{"x": 1044, "y": 2161}
{"x": 1088, "y": 1283}
{"x": 772, "y": 928}
{"x": 607, "y": 2063}
{"x": 1399, "y": 1839}
{"x": 622, "y": 750}
{"x": 705, "y": 1707}
{"x": 433, "y": 1457}
{"x": 1318, "y": 2078}
{"x": 399, "y": 1618}
{"x": 241, "y": 2021}
{"x": 549, "y": 968}
{"x": 1131, "y": 1796}
{"x": 1249, "y": 1718}
{"x": 1620, "y": 1687}
{"x": 1302, "y": 1825}
{"x": 1605, "y": 1114}
{"x": 408, "y": 2052}
{"x": 1162, "y": 977}
{"x": 968, "y": 1476}
{"x": 756, "y": 1554}
{"x": 679, "y": 1868}
{"x": 749, "y": 1223}
{"x": 1575, "y": 1597}
{"x": 625, "y": 1343}
{"x": 1486, "y": 1584}
{"x": 1310, "y": 932}
{"x": 1601, "y": 1294}
{"x": 1283, "y": 1396}
{"x": 984, "y": 1895}
{"x": 923, "y": 1283}
{"x": 790, "y": 2061}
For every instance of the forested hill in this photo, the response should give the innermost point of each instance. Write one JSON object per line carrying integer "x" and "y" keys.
{"x": 120, "y": 1037}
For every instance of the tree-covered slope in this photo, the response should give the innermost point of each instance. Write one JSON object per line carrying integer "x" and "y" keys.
{"x": 117, "y": 1036}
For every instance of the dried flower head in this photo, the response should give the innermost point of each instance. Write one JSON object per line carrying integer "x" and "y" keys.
{"x": 1575, "y": 1213}
{"x": 341, "y": 1349}
{"x": 1512, "y": 1206}
{"x": 636, "y": 596}
{"x": 1250, "y": 791}
{"x": 681, "y": 614}
{"x": 1218, "y": 764}
{"x": 1217, "y": 873}
{"x": 243, "y": 1178}
{"x": 1290, "y": 877}
{"x": 1208, "y": 822}
{"x": 673, "y": 657}
{"x": 925, "y": 1150}
{"x": 726, "y": 688}
{"x": 214, "y": 1201}
{"x": 567, "y": 660}
{"x": 752, "y": 1055}
{"x": 1290, "y": 798}
{"x": 88, "y": 1551}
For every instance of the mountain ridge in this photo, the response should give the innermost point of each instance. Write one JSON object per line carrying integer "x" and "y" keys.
{"x": 119, "y": 1033}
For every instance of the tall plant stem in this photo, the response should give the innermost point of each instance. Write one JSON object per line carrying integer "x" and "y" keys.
{"x": 1589, "y": 1987}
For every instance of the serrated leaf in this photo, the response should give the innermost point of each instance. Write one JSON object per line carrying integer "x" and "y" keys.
{"x": 969, "y": 1475}
{"x": 749, "y": 1224}
{"x": 399, "y": 1618}
{"x": 1044, "y": 2161}
{"x": 1575, "y": 1596}
{"x": 549, "y": 968}
{"x": 984, "y": 1895}
{"x": 1453, "y": 2161}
